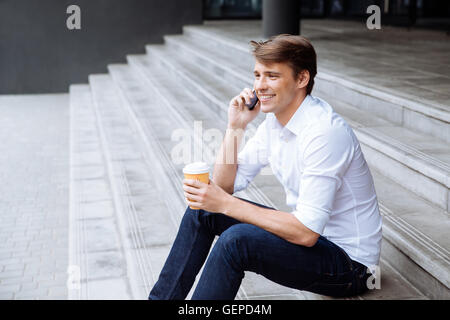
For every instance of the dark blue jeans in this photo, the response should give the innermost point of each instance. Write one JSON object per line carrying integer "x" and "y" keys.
{"x": 324, "y": 268}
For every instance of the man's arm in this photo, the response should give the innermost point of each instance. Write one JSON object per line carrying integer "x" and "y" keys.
{"x": 226, "y": 162}
{"x": 283, "y": 224}
{"x": 238, "y": 117}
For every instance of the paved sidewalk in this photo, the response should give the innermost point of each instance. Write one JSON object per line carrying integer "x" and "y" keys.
{"x": 34, "y": 177}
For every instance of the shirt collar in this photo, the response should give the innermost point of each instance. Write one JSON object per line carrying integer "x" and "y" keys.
{"x": 297, "y": 121}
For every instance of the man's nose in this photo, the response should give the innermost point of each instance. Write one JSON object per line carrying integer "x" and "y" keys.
{"x": 260, "y": 84}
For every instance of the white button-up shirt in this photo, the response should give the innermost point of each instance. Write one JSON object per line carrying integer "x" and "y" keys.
{"x": 318, "y": 160}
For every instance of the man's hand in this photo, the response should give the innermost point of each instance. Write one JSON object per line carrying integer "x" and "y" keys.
{"x": 209, "y": 197}
{"x": 238, "y": 114}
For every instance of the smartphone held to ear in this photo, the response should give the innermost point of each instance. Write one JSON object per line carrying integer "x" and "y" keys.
{"x": 253, "y": 101}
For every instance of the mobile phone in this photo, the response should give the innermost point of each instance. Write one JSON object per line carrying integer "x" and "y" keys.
{"x": 253, "y": 101}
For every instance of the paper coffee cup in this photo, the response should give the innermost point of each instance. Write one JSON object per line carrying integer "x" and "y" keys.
{"x": 197, "y": 171}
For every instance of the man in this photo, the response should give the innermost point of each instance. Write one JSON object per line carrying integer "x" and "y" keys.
{"x": 334, "y": 231}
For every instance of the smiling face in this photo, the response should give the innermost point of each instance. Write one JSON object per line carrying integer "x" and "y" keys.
{"x": 278, "y": 90}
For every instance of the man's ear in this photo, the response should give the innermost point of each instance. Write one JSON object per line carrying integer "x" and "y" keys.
{"x": 303, "y": 79}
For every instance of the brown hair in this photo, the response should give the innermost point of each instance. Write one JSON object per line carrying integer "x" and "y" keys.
{"x": 297, "y": 51}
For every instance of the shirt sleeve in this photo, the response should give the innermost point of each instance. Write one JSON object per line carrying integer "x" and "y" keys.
{"x": 326, "y": 158}
{"x": 252, "y": 158}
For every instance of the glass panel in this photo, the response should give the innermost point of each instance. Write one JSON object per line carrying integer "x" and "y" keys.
{"x": 228, "y": 9}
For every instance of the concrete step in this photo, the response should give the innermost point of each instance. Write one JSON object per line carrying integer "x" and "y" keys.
{"x": 141, "y": 225}
{"x": 417, "y": 114}
{"x": 194, "y": 77}
{"x": 264, "y": 189}
{"x": 95, "y": 248}
{"x": 417, "y": 161}
{"x": 155, "y": 124}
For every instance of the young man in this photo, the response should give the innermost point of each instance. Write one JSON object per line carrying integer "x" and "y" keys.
{"x": 334, "y": 231}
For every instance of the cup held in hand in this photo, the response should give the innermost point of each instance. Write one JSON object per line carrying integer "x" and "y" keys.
{"x": 196, "y": 171}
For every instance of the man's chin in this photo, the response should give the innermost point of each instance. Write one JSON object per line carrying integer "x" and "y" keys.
{"x": 266, "y": 108}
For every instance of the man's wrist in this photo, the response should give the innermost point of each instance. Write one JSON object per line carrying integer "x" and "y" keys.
{"x": 235, "y": 127}
{"x": 228, "y": 203}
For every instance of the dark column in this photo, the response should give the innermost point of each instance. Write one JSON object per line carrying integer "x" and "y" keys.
{"x": 327, "y": 8}
{"x": 412, "y": 12}
{"x": 280, "y": 17}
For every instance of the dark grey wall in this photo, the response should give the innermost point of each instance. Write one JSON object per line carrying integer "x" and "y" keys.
{"x": 38, "y": 54}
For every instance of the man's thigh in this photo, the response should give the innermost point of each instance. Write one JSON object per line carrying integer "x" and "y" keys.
{"x": 218, "y": 222}
{"x": 289, "y": 264}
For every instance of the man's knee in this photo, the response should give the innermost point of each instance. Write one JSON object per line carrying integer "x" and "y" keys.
{"x": 235, "y": 234}
{"x": 191, "y": 216}
{"x": 236, "y": 241}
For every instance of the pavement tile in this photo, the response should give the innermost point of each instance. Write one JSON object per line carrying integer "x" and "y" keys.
{"x": 6, "y": 296}
{"x": 9, "y": 288}
{"x": 57, "y": 291}
{"x": 35, "y": 294}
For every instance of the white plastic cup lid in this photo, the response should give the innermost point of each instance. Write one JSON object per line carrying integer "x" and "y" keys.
{"x": 196, "y": 168}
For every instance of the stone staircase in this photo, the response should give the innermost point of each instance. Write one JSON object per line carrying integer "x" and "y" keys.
{"x": 127, "y": 127}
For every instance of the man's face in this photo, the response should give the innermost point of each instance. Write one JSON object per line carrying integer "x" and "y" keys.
{"x": 275, "y": 86}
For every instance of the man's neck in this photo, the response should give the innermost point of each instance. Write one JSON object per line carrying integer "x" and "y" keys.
{"x": 286, "y": 115}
